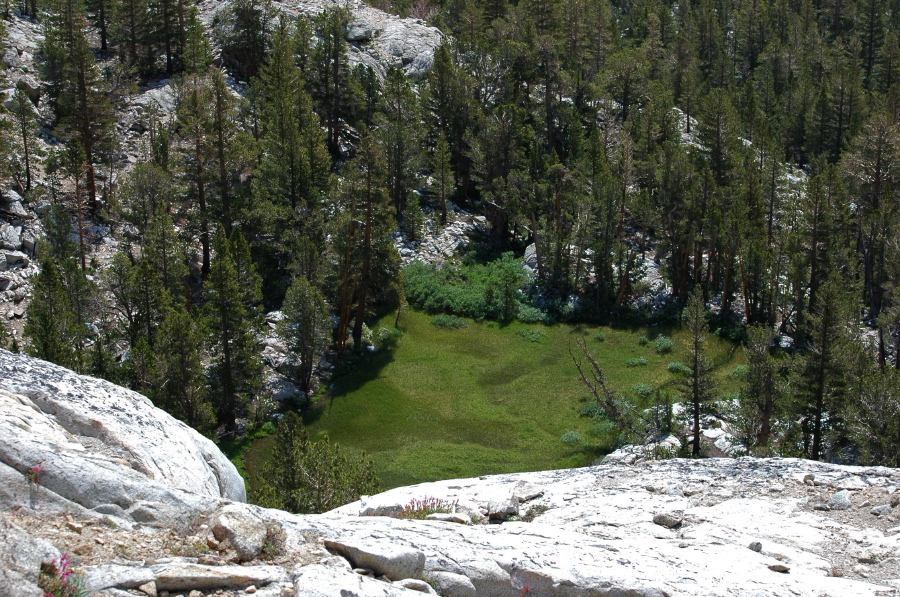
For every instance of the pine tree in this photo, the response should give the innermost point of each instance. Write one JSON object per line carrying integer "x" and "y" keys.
{"x": 443, "y": 174}
{"x": 194, "y": 117}
{"x": 306, "y": 477}
{"x": 166, "y": 251}
{"x": 306, "y": 326}
{"x": 132, "y": 29}
{"x": 292, "y": 176}
{"x": 698, "y": 385}
{"x": 55, "y": 333}
{"x": 25, "y": 122}
{"x": 761, "y": 401}
{"x": 77, "y": 89}
{"x": 821, "y": 373}
{"x": 243, "y": 35}
{"x": 180, "y": 386}
{"x": 399, "y": 134}
{"x": 332, "y": 89}
{"x": 236, "y": 365}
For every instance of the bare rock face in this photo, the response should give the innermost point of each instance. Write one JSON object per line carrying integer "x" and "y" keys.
{"x": 70, "y": 443}
{"x": 377, "y": 39}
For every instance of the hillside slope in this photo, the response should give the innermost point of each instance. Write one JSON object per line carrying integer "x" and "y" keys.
{"x": 137, "y": 500}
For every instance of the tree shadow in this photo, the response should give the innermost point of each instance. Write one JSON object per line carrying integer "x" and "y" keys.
{"x": 357, "y": 370}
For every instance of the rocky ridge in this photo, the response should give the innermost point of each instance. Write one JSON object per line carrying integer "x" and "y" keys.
{"x": 145, "y": 506}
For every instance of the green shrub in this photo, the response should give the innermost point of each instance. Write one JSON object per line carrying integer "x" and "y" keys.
{"x": 571, "y": 438}
{"x": 664, "y": 345}
{"x": 593, "y": 410}
{"x": 529, "y": 314}
{"x": 677, "y": 367}
{"x": 644, "y": 340}
{"x": 534, "y": 335}
{"x": 643, "y": 390}
{"x": 448, "y": 322}
{"x": 739, "y": 372}
{"x": 640, "y": 362}
{"x": 599, "y": 336}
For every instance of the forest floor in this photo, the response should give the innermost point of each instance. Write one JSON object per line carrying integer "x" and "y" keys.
{"x": 486, "y": 398}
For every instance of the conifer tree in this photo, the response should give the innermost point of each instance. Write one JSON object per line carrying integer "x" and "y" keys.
{"x": 307, "y": 477}
{"x": 236, "y": 365}
{"x": 180, "y": 386}
{"x": 77, "y": 89}
{"x": 52, "y": 327}
{"x": 399, "y": 134}
{"x": 25, "y": 122}
{"x": 698, "y": 385}
{"x": 306, "y": 326}
{"x": 443, "y": 174}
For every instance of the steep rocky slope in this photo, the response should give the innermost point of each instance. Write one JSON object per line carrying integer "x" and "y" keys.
{"x": 145, "y": 506}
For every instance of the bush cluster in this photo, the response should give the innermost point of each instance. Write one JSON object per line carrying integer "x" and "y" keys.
{"x": 480, "y": 291}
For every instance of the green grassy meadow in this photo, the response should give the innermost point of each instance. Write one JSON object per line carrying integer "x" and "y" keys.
{"x": 482, "y": 399}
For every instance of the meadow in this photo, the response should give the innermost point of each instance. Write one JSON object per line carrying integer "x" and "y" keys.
{"x": 486, "y": 398}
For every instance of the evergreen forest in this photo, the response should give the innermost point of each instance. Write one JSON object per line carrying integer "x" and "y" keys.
{"x": 746, "y": 153}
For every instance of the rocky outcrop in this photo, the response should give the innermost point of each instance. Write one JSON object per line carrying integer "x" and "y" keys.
{"x": 377, "y": 39}
{"x": 110, "y": 464}
{"x": 72, "y": 443}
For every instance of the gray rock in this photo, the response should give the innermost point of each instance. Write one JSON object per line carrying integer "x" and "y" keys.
{"x": 501, "y": 507}
{"x": 756, "y": 546}
{"x": 840, "y": 500}
{"x": 30, "y": 86}
{"x": 10, "y": 237}
{"x": 394, "y": 561}
{"x": 101, "y": 444}
{"x": 181, "y": 577}
{"x": 881, "y": 510}
{"x": 448, "y": 583}
{"x": 895, "y": 500}
{"x": 445, "y": 517}
{"x": 22, "y": 556}
{"x": 330, "y": 581}
{"x": 670, "y": 520}
{"x": 14, "y": 257}
{"x": 97, "y": 578}
{"x": 246, "y": 531}
{"x": 416, "y": 585}
{"x": 359, "y": 31}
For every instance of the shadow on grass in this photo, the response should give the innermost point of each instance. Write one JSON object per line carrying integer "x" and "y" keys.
{"x": 356, "y": 370}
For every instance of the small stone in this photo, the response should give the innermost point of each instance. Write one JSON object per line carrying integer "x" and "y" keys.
{"x": 287, "y": 592}
{"x": 840, "y": 500}
{"x": 364, "y": 572}
{"x": 809, "y": 479}
{"x": 99, "y": 541}
{"x": 865, "y": 504}
{"x": 779, "y": 568}
{"x": 670, "y": 520}
{"x": 195, "y": 594}
{"x": 821, "y": 507}
{"x": 251, "y": 589}
{"x": 776, "y": 488}
{"x": 881, "y": 510}
{"x": 895, "y": 500}
{"x": 149, "y": 589}
{"x": 756, "y": 546}
{"x": 75, "y": 526}
{"x": 860, "y": 569}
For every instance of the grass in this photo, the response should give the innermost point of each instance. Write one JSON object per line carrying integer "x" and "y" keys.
{"x": 446, "y": 403}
